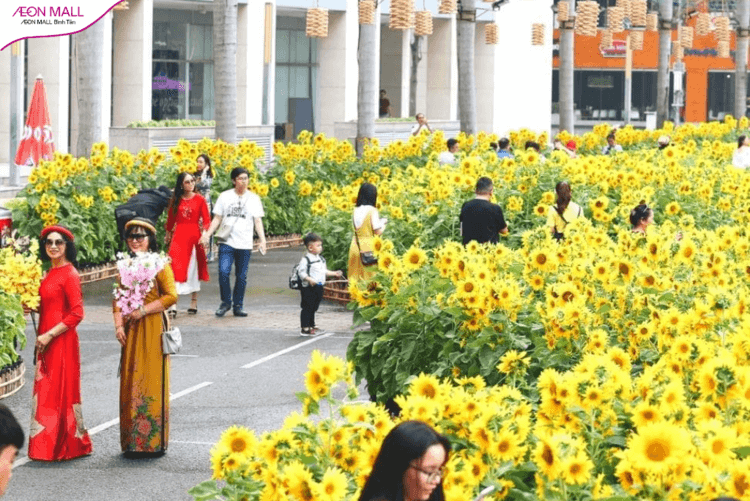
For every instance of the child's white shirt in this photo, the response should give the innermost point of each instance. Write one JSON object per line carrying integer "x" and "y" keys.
{"x": 317, "y": 268}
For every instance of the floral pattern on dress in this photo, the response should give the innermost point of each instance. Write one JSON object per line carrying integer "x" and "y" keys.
{"x": 145, "y": 427}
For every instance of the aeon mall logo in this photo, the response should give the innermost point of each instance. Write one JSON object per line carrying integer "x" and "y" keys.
{"x": 36, "y": 12}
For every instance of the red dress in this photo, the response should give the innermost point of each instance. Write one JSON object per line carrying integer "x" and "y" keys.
{"x": 192, "y": 217}
{"x": 57, "y": 430}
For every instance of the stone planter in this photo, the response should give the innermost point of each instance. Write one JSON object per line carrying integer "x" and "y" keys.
{"x": 136, "y": 139}
{"x": 387, "y": 132}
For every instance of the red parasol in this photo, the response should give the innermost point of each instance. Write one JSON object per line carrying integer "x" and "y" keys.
{"x": 36, "y": 141}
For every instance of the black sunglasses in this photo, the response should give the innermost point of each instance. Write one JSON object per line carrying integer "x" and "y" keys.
{"x": 140, "y": 237}
{"x": 56, "y": 243}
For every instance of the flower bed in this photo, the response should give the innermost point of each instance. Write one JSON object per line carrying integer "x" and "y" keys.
{"x": 611, "y": 365}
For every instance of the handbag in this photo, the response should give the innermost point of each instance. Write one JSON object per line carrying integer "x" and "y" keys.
{"x": 225, "y": 228}
{"x": 171, "y": 337}
{"x": 367, "y": 257}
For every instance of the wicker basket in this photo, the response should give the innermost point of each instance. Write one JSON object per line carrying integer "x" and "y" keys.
{"x": 423, "y": 23}
{"x": 337, "y": 290}
{"x": 316, "y": 23}
{"x": 98, "y": 272}
{"x": 537, "y": 34}
{"x": 280, "y": 241}
{"x": 447, "y": 7}
{"x": 490, "y": 34}
{"x": 652, "y": 22}
{"x": 563, "y": 10}
{"x": 12, "y": 378}
{"x": 367, "y": 12}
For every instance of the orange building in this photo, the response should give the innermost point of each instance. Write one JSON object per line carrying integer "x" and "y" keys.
{"x": 600, "y": 78}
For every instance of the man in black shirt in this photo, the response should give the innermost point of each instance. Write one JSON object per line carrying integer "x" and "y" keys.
{"x": 481, "y": 220}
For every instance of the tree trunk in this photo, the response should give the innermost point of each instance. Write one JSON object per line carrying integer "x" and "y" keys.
{"x": 89, "y": 60}
{"x": 367, "y": 89}
{"x": 225, "y": 69}
{"x": 566, "y": 82}
{"x": 740, "y": 58}
{"x": 662, "y": 74}
{"x": 467, "y": 90}
{"x": 416, "y": 57}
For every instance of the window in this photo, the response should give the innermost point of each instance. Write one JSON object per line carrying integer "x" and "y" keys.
{"x": 182, "y": 75}
{"x": 600, "y": 95}
{"x": 721, "y": 95}
{"x": 296, "y": 75}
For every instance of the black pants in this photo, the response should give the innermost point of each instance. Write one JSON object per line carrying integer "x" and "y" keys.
{"x": 311, "y": 298}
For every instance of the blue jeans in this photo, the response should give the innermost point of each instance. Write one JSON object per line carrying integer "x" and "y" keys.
{"x": 241, "y": 258}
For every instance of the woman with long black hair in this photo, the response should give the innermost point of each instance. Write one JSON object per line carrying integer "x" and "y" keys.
{"x": 409, "y": 466}
{"x": 187, "y": 219}
{"x": 563, "y": 212}
{"x": 57, "y": 430}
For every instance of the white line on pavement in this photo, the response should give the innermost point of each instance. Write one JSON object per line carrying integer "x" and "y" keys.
{"x": 184, "y": 356}
{"x": 286, "y": 350}
{"x": 188, "y": 442}
{"x": 96, "y": 429}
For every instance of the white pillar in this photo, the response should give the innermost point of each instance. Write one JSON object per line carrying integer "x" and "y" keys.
{"x": 251, "y": 32}
{"x": 405, "y": 71}
{"x": 5, "y": 106}
{"x": 133, "y": 46}
{"x": 484, "y": 75}
{"x": 106, "y": 117}
{"x": 392, "y": 70}
{"x": 49, "y": 57}
{"x": 514, "y": 50}
{"x": 442, "y": 71}
{"x": 338, "y": 73}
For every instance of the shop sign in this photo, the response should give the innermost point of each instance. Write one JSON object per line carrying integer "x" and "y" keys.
{"x": 617, "y": 49}
{"x": 600, "y": 82}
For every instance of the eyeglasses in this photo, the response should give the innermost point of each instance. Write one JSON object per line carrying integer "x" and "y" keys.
{"x": 137, "y": 238}
{"x": 56, "y": 243}
{"x": 430, "y": 476}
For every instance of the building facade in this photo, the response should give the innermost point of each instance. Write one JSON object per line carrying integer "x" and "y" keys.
{"x": 158, "y": 65}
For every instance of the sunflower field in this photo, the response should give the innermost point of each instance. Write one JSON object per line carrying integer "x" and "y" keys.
{"x": 610, "y": 365}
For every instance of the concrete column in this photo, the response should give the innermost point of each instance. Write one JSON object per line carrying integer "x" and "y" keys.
{"x": 514, "y": 50}
{"x": 338, "y": 73}
{"x": 442, "y": 71}
{"x": 50, "y": 57}
{"x": 5, "y": 106}
{"x": 484, "y": 76}
{"x": 392, "y": 70}
{"x": 251, "y": 26}
{"x": 106, "y": 116}
{"x": 405, "y": 71}
{"x": 133, "y": 45}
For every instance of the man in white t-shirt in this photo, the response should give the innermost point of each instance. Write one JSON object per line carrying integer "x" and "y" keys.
{"x": 420, "y": 125}
{"x": 449, "y": 157}
{"x": 244, "y": 211}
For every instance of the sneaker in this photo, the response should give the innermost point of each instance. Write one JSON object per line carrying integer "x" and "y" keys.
{"x": 306, "y": 332}
{"x": 223, "y": 309}
{"x": 239, "y": 312}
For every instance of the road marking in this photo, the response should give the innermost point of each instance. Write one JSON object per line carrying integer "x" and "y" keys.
{"x": 185, "y": 356}
{"x": 286, "y": 350}
{"x": 96, "y": 429}
{"x": 187, "y": 442}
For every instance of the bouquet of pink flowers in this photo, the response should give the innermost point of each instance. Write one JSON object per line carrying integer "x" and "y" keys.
{"x": 137, "y": 275}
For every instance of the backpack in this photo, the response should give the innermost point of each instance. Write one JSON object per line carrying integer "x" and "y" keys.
{"x": 294, "y": 281}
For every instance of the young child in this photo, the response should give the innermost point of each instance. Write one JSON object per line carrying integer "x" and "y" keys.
{"x": 312, "y": 282}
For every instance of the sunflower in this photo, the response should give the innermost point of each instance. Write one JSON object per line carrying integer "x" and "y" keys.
{"x": 513, "y": 362}
{"x": 577, "y": 469}
{"x": 717, "y": 449}
{"x": 238, "y": 439}
{"x": 333, "y": 485}
{"x": 645, "y": 414}
{"x": 414, "y": 258}
{"x": 546, "y": 458}
{"x": 658, "y": 447}
{"x": 425, "y": 385}
{"x": 507, "y": 446}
